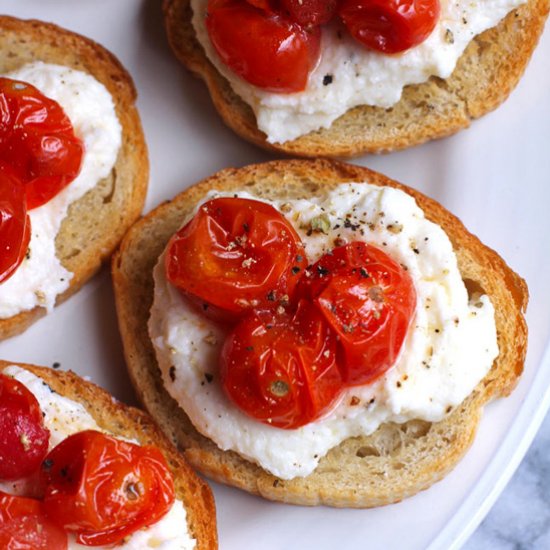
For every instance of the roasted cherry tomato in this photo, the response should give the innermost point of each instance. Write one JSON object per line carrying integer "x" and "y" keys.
{"x": 104, "y": 489}
{"x": 37, "y": 140}
{"x": 265, "y": 49}
{"x": 390, "y": 26}
{"x": 310, "y": 12}
{"x": 15, "y": 225}
{"x": 281, "y": 369}
{"x": 266, "y": 5}
{"x": 235, "y": 255}
{"x": 23, "y": 437}
{"x": 369, "y": 300}
{"x": 24, "y": 526}
{"x": 15, "y": 506}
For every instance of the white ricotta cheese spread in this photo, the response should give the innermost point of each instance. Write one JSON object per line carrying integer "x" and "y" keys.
{"x": 359, "y": 76}
{"x": 41, "y": 278}
{"x": 450, "y": 347}
{"x": 64, "y": 417}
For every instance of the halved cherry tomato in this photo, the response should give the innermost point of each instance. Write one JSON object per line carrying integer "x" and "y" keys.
{"x": 23, "y": 437}
{"x": 37, "y": 140}
{"x": 235, "y": 255}
{"x": 282, "y": 369}
{"x": 310, "y": 12}
{"x": 104, "y": 489}
{"x": 23, "y": 526}
{"x": 265, "y": 49}
{"x": 15, "y": 225}
{"x": 390, "y": 26}
{"x": 369, "y": 301}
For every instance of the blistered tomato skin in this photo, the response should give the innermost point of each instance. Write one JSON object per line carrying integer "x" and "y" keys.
{"x": 369, "y": 301}
{"x": 390, "y": 26}
{"x": 104, "y": 489}
{"x": 264, "y": 48}
{"x": 24, "y": 526}
{"x": 37, "y": 141}
{"x": 282, "y": 369}
{"x": 235, "y": 255}
{"x": 15, "y": 506}
{"x": 23, "y": 437}
{"x": 15, "y": 225}
{"x": 266, "y": 5}
{"x": 310, "y": 12}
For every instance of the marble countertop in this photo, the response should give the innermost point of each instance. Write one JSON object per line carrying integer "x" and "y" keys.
{"x": 520, "y": 519}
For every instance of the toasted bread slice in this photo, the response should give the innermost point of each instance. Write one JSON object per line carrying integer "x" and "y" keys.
{"x": 122, "y": 420}
{"x": 95, "y": 223}
{"x": 485, "y": 75}
{"x": 397, "y": 460}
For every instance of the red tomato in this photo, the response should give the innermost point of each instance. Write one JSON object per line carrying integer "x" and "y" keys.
{"x": 282, "y": 369}
{"x": 104, "y": 489}
{"x": 15, "y": 395}
{"x": 23, "y": 438}
{"x": 235, "y": 255}
{"x": 390, "y": 26}
{"x": 266, "y": 5}
{"x": 37, "y": 140}
{"x": 23, "y": 526}
{"x": 264, "y": 48}
{"x": 15, "y": 225}
{"x": 369, "y": 300}
{"x": 310, "y": 12}
{"x": 14, "y": 506}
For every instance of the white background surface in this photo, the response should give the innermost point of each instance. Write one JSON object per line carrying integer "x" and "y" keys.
{"x": 495, "y": 176}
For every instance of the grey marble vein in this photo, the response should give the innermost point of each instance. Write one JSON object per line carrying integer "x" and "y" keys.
{"x": 520, "y": 519}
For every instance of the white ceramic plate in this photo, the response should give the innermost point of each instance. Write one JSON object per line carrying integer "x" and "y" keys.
{"x": 495, "y": 176}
